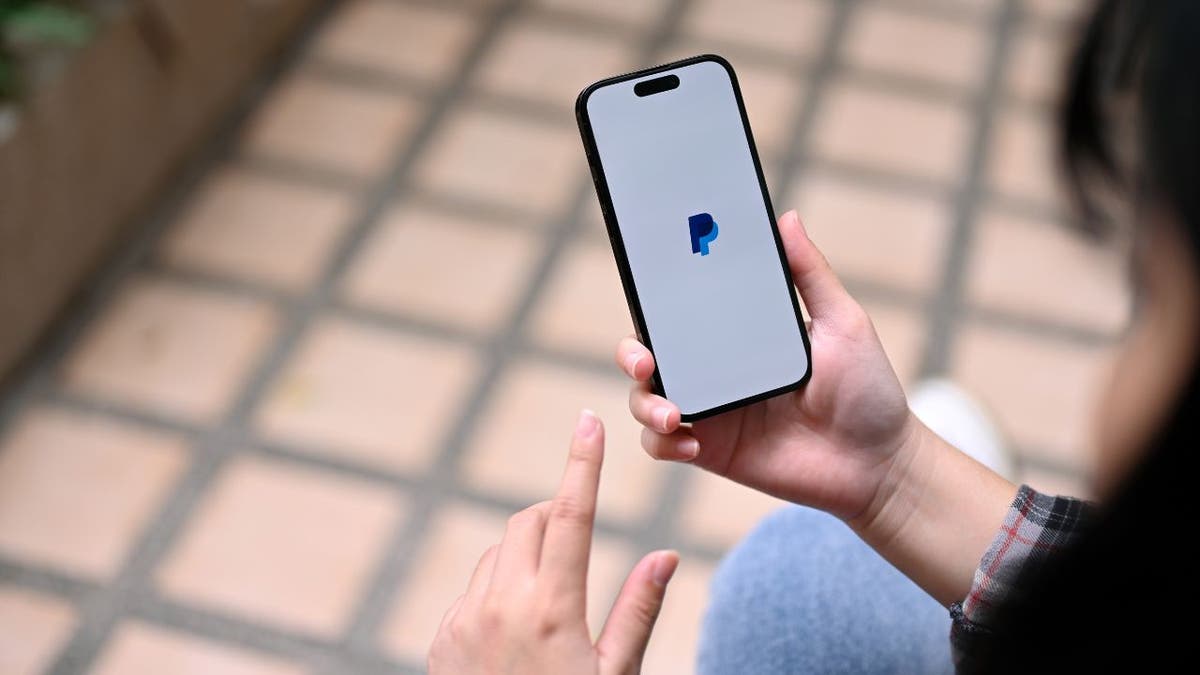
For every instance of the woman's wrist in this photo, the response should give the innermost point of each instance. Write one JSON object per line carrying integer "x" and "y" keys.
{"x": 903, "y": 480}
{"x": 935, "y": 512}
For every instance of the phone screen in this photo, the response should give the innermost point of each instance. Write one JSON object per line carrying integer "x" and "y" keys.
{"x": 697, "y": 234}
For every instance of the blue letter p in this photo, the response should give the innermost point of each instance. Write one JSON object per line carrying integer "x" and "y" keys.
{"x": 704, "y": 231}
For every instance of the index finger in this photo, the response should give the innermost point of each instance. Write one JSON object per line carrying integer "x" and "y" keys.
{"x": 568, "y": 541}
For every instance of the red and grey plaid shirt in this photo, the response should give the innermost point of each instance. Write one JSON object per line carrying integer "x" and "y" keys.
{"x": 1036, "y": 527}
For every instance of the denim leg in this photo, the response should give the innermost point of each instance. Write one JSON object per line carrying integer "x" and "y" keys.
{"x": 803, "y": 594}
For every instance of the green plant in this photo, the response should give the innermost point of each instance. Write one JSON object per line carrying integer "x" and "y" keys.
{"x": 28, "y": 26}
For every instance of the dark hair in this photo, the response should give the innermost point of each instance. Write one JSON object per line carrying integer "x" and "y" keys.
{"x": 1130, "y": 127}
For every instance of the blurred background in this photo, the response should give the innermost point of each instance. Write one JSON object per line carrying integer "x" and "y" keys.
{"x": 299, "y": 299}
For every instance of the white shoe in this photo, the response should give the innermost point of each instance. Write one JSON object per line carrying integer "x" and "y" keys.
{"x": 957, "y": 417}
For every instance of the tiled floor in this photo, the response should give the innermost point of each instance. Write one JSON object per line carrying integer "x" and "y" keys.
{"x": 282, "y": 426}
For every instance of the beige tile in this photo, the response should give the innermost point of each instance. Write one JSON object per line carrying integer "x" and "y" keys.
{"x": 584, "y": 308}
{"x": 896, "y": 41}
{"x": 417, "y": 40}
{"x": 1056, "y": 10}
{"x": 794, "y": 28}
{"x": 258, "y": 228}
{"x": 520, "y": 444}
{"x": 1037, "y": 66}
{"x": 77, "y": 490}
{"x": 443, "y": 268}
{"x": 903, "y": 333}
{"x": 773, "y": 99}
{"x": 280, "y": 544}
{"x": 141, "y": 649}
{"x": 1042, "y": 392}
{"x": 676, "y": 635}
{"x": 33, "y": 628}
{"x": 1044, "y": 270}
{"x": 537, "y": 61}
{"x": 171, "y": 349}
{"x": 458, "y": 536}
{"x": 718, "y": 512}
{"x": 1021, "y": 161}
{"x": 876, "y": 234}
{"x": 382, "y": 397}
{"x": 354, "y": 130}
{"x": 1055, "y": 483}
{"x": 893, "y": 132}
{"x": 512, "y": 162}
{"x": 641, "y": 14}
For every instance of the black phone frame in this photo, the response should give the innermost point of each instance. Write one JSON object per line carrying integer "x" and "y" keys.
{"x": 618, "y": 243}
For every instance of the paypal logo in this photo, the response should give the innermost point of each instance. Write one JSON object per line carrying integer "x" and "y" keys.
{"x": 703, "y": 230}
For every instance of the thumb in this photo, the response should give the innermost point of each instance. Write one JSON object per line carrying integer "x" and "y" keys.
{"x": 627, "y": 630}
{"x": 823, "y": 294}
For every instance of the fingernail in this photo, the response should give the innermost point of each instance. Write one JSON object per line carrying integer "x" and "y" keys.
{"x": 689, "y": 448}
{"x": 664, "y": 418}
{"x": 796, "y": 217}
{"x": 587, "y": 423}
{"x": 631, "y": 362}
{"x": 664, "y": 567}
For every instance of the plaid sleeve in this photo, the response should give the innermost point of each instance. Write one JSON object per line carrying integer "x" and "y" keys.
{"x": 1035, "y": 528}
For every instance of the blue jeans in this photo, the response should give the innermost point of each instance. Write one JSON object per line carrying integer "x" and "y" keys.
{"x": 803, "y": 594}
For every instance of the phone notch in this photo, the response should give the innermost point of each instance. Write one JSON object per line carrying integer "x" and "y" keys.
{"x": 656, "y": 85}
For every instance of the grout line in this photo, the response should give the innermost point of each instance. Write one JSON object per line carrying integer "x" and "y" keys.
{"x": 947, "y": 307}
{"x": 46, "y": 580}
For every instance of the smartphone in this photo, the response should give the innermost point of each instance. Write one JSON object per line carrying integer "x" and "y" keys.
{"x": 692, "y": 228}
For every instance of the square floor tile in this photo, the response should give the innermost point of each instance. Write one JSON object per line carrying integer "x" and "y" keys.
{"x": 718, "y": 512}
{"x": 1037, "y": 66}
{"x": 520, "y": 443}
{"x": 77, "y": 490}
{"x": 550, "y": 63}
{"x": 458, "y": 536}
{"x": 141, "y": 649}
{"x": 676, "y": 636}
{"x": 33, "y": 628}
{"x": 794, "y": 28}
{"x": 894, "y": 132}
{"x": 1044, "y": 270}
{"x": 354, "y": 130}
{"x": 443, "y": 268}
{"x": 876, "y": 234}
{"x": 903, "y": 333}
{"x": 367, "y": 394}
{"x": 583, "y": 309}
{"x": 502, "y": 159}
{"x": 773, "y": 99}
{"x": 1021, "y": 162}
{"x": 895, "y": 41}
{"x": 641, "y": 14}
{"x": 415, "y": 40}
{"x": 171, "y": 349}
{"x": 1041, "y": 391}
{"x": 258, "y": 228}
{"x": 281, "y": 544}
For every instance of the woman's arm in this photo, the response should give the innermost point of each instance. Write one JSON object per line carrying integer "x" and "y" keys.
{"x": 936, "y": 512}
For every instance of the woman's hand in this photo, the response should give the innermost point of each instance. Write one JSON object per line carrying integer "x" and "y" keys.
{"x": 830, "y": 444}
{"x": 524, "y": 609}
